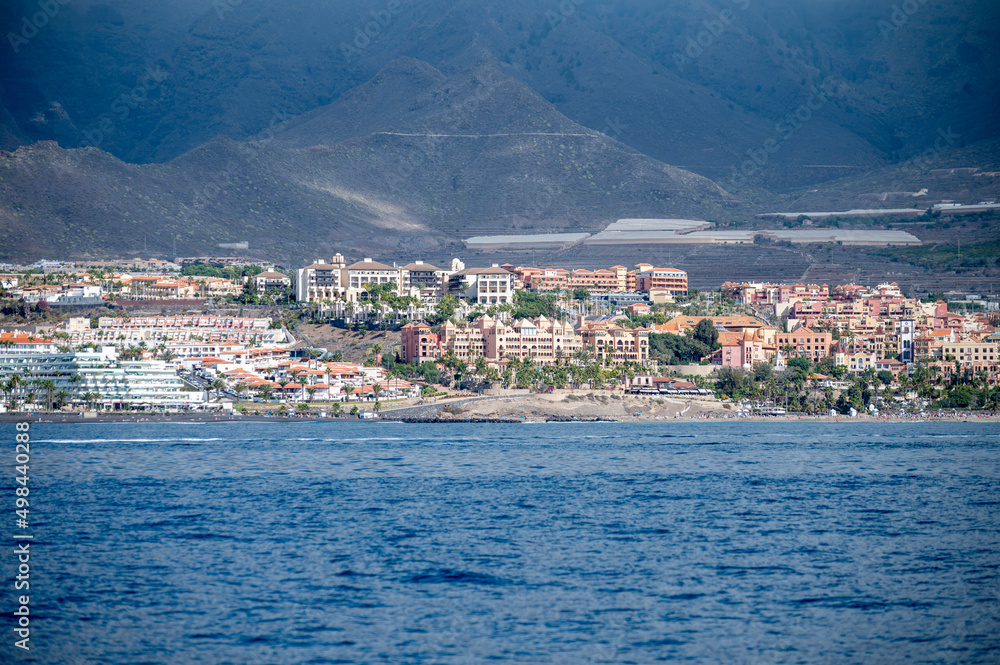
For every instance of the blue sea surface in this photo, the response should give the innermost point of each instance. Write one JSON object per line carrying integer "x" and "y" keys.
{"x": 260, "y": 543}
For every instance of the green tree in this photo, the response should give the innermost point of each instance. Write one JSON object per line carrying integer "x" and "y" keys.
{"x": 528, "y": 305}
{"x": 706, "y": 333}
{"x": 801, "y": 364}
{"x": 217, "y": 385}
{"x": 732, "y": 382}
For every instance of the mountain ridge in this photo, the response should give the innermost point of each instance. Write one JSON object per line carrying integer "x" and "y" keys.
{"x": 452, "y": 171}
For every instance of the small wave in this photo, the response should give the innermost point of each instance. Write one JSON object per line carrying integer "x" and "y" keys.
{"x": 169, "y": 440}
{"x": 449, "y": 576}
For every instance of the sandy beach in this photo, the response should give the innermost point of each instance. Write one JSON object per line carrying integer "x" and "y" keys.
{"x": 583, "y": 405}
{"x": 566, "y": 406}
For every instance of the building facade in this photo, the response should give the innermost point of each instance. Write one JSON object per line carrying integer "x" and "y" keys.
{"x": 320, "y": 281}
{"x": 671, "y": 280}
{"x": 423, "y": 281}
{"x": 485, "y": 286}
{"x": 806, "y": 343}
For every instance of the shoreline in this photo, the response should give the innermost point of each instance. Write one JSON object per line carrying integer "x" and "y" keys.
{"x": 72, "y": 419}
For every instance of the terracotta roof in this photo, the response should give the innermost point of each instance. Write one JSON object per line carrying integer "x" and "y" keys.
{"x": 23, "y": 338}
{"x": 394, "y": 383}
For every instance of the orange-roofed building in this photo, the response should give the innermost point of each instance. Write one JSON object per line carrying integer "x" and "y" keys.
{"x": 17, "y": 342}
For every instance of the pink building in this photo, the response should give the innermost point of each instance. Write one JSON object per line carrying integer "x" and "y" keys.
{"x": 419, "y": 343}
{"x": 742, "y": 350}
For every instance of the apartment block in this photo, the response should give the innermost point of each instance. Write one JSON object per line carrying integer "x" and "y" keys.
{"x": 615, "y": 343}
{"x": 270, "y": 280}
{"x": 117, "y": 384}
{"x": 661, "y": 279}
{"x": 969, "y": 353}
{"x": 419, "y": 343}
{"x": 485, "y": 286}
{"x": 368, "y": 272}
{"x": 423, "y": 281}
{"x": 153, "y": 330}
{"x": 320, "y": 281}
{"x": 806, "y": 343}
{"x": 857, "y": 362}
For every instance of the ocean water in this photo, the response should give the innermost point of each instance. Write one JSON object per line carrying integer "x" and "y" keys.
{"x": 260, "y": 543}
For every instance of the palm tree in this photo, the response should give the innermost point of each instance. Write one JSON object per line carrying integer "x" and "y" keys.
{"x": 13, "y": 385}
{"x": 217, "y": 385}
{"x": 90, "y": 397}
{"x": 60, "y": 398}
{"x": 49, "y": 387}
{"x": 312, "y": 393}
{"x": 347, "y": 393}
{"x": 266, "y": 391}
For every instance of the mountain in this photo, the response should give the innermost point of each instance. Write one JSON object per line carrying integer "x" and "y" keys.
{"x": 370, "y": 126}
{"x": 695, "y": 83}
{"x": 411, "y": 159}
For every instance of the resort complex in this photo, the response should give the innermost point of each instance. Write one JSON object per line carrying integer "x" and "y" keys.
{"x": 494, "y": 327}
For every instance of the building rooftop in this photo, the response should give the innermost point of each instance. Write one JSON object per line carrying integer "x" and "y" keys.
{"x": 368, "y": 264}
{"x": 420, "y": 266}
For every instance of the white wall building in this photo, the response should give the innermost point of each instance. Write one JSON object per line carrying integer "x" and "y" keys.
{"x": 320, "y": 281}
{"x": 485, "y": 286}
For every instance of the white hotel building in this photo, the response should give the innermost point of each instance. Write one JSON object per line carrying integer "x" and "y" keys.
{"x": 118, "y": 384}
